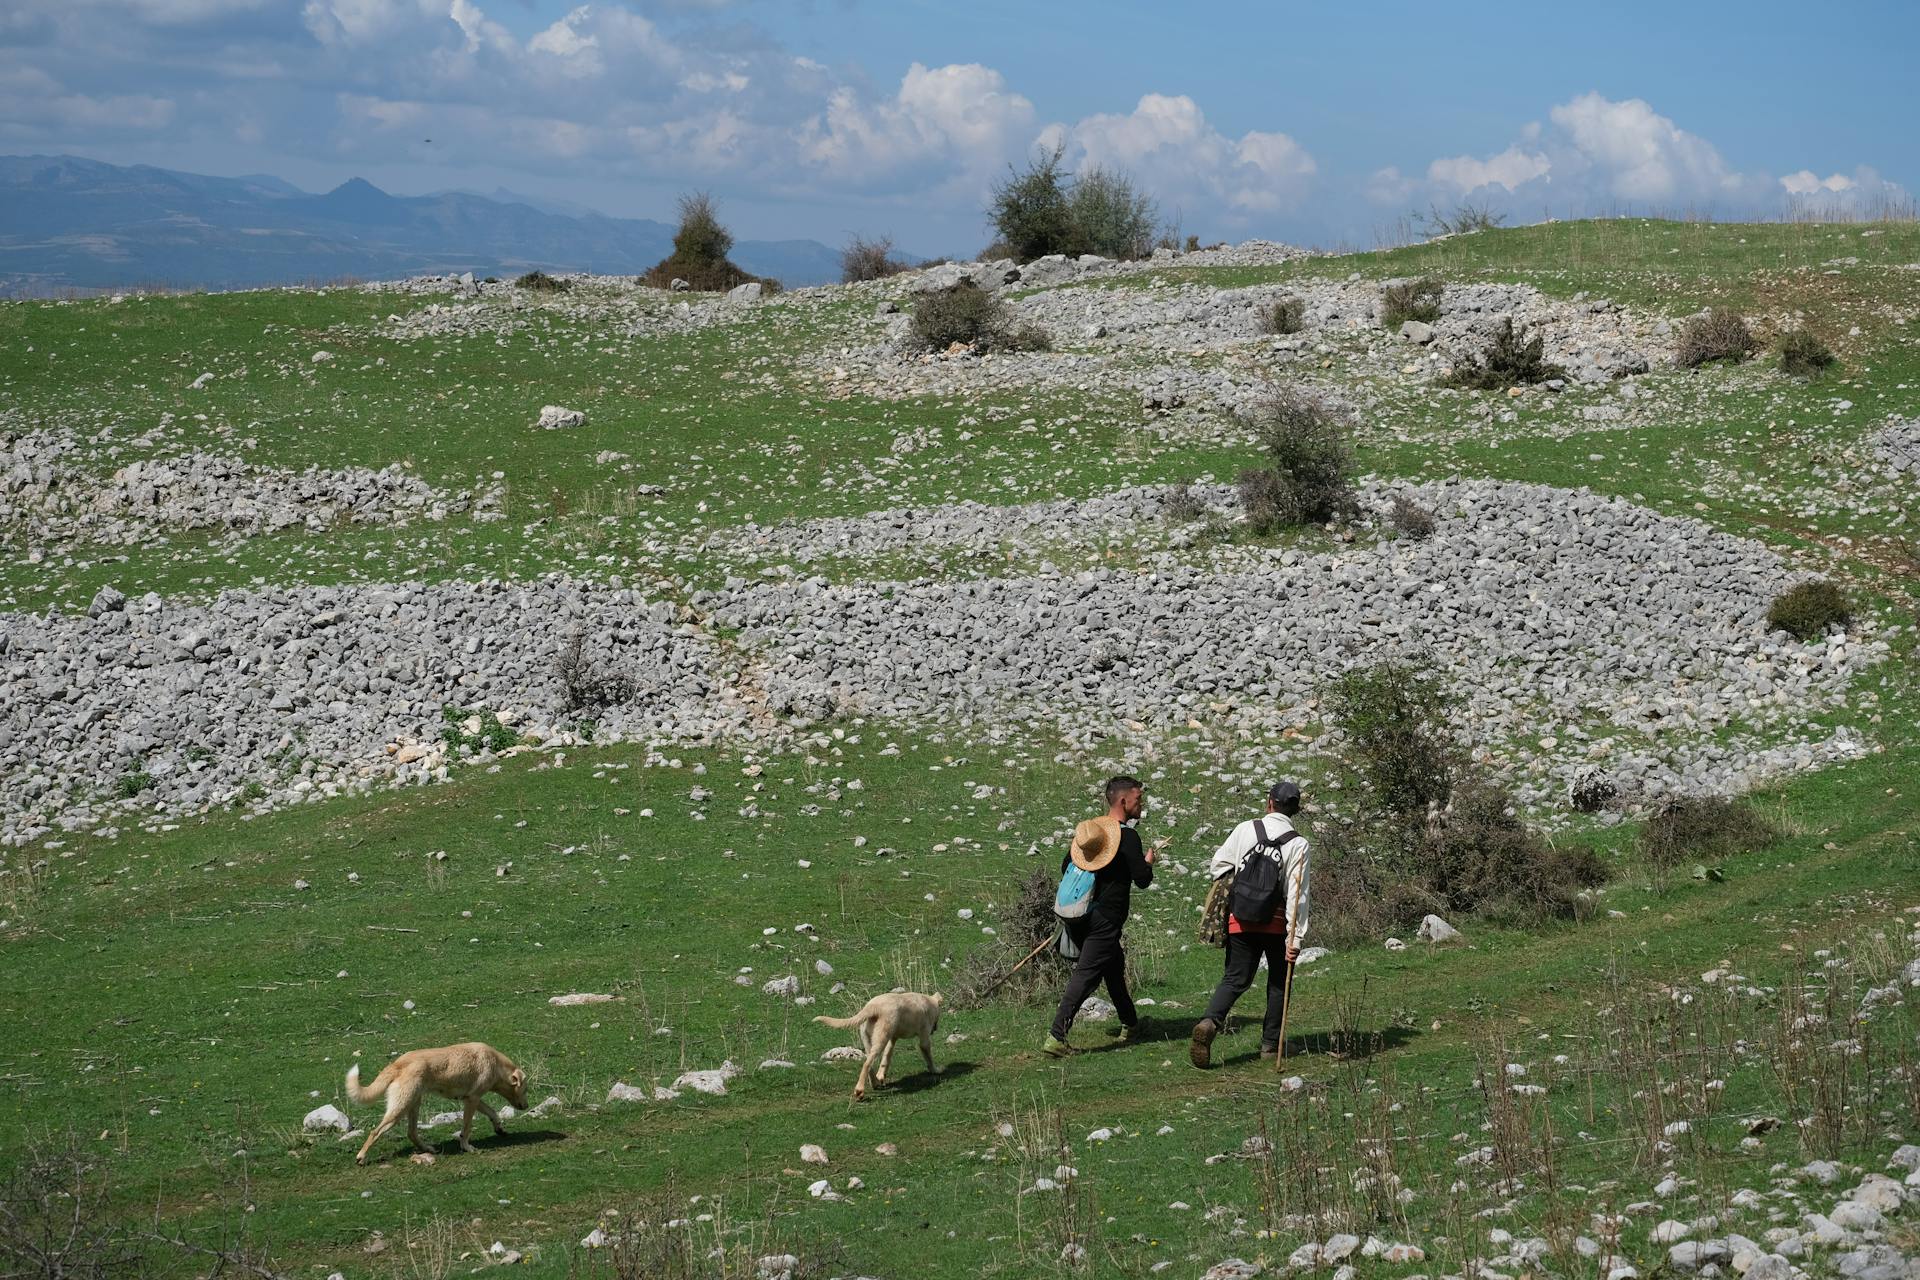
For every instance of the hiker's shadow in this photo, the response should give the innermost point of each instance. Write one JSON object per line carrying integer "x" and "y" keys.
{"x": 1345, "y": 1046}
{"x": 922, "y": 1080}
{"x": 1146, "y": 1031}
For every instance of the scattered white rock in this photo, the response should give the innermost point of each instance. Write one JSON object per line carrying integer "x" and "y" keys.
{"x": 326, "y": 1119}
{"x": 555, "y": 418}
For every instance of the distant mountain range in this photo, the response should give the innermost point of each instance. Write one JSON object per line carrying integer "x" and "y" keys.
{"x": 70, "y": 223}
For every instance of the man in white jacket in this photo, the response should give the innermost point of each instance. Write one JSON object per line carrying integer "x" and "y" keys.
{"x": 1275, "y": 939}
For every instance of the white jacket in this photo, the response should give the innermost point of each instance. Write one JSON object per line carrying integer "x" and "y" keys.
{"x": 1233, "y": 852}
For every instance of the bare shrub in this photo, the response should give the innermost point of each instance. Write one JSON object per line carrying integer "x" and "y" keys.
{"x": 584, "y": 684}
{"x": 1806, "y": 610}
{"x": 1405, "y": 300}
{"x": 54, "y": 1218}
{"x": 1702, "y": 829}
{"x": 1591, "y": 791}
{"x": 973, "y": 317}
{"x": 1465, "y": 219}
{"x": 1309, "y": 480}
{"x": 1027, "y": 919}
{"x": 1182, "y": 504}
{"x": 541, "y": 282}
{"x": 1719, "y": 334}
{"x": 1802, "y": 355}
{"x": 1410, "y": 520}
{"x": 1285, "y": 315}
{"x": 865, "y": 259}
{"x": 1507, "y": 362}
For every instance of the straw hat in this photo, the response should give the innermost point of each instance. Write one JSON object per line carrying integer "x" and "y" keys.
{"x": 1095, "y": 841}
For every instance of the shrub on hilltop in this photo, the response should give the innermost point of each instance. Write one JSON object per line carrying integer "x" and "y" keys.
{"x": 701, "y": 244}
{"x": 1718, "y": 334}
{"x": 1029, "y": 208}
{"x": 865, "y": 259}
{"x": 1110, "y": 216}
{"x": 1043, "y": 209}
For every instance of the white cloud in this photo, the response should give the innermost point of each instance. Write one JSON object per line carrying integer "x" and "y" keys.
{"x": 1511, "y": 169}
{"x": 1807, "y": 183}
{"x": 348, "y": 22}
{"x": 1595, "y": 154}
{"x": 962, "y": 117}
{"x": 707, "y": 82}
{"x": 1863, "y": 193}
{"x": 564, "y": 40}
{"x": 1389, "y": 186}
{"x": 1167, "y": 144}
{"x": 480, "y": 30}
{"x": 31, "y": 102}
{"x": 1641, "y": 155}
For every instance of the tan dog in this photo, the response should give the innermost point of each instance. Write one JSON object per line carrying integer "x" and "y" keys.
{"x": 464, "y": 1072}
{"x": 887, "y": 1018}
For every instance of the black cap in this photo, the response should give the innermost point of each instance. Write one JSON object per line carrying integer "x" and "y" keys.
{"x": 1281, "y": 793}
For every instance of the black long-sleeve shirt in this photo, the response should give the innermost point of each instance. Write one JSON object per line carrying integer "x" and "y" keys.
{"x": 1113, "y": 884}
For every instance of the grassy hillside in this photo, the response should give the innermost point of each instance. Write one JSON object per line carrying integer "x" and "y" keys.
{"x": 185, "y": 992}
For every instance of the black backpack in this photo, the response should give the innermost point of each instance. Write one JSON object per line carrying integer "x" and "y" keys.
{"x": 1260, "y": 886}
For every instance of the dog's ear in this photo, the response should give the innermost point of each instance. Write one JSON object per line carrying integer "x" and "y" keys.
{"x": 935, "y": 997}
{"x": 517, "y": 1077}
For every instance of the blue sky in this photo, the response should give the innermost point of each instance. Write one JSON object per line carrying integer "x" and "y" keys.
{"x": 1322, "y": 124}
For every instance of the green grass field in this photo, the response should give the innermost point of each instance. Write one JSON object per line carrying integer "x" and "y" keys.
{"x": 181, "y": 996}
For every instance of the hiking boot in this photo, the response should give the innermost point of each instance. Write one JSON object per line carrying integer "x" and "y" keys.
{"x": 1056, "y": 1048}
{"x": 1200, "y": 1050}
{"x": 1127, "y": 1034}
{"x": 1266, "y": 1052}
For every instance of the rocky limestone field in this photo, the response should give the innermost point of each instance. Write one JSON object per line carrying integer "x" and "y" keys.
{"x": 624, "y": 676}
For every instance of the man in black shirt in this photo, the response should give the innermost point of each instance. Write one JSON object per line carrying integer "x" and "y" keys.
{"x": 1112, "y": 851}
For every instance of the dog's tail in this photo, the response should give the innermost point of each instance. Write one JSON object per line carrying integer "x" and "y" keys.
{"x": 370, "y": 1092}
{"x": 841, "y": 1023}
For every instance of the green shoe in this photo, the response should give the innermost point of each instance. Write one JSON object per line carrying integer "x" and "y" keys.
{"x": 1127, "y": 1034}
{"x": 1054, "y": 1048}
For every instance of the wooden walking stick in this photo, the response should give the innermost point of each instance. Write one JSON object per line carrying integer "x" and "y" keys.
{"x": 1045, "y": 943}
{"x": 1280, "y": 1050}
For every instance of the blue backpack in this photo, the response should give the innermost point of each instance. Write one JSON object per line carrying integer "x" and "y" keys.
{"x": 1075, "y": 894}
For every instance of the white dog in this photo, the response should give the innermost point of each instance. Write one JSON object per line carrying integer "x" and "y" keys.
{"x": 887, "y": 1018}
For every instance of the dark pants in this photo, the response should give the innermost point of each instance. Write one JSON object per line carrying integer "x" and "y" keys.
{"x": 1102, "y": 959}
{"x": 1243, "y": 960}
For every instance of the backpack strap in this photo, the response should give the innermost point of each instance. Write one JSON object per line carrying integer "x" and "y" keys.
{"x": 1261, "y": 840}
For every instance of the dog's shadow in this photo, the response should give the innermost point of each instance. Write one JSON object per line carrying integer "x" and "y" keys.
{"x": 494, "y": 1141}
{"x": 922, "y": 1080}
